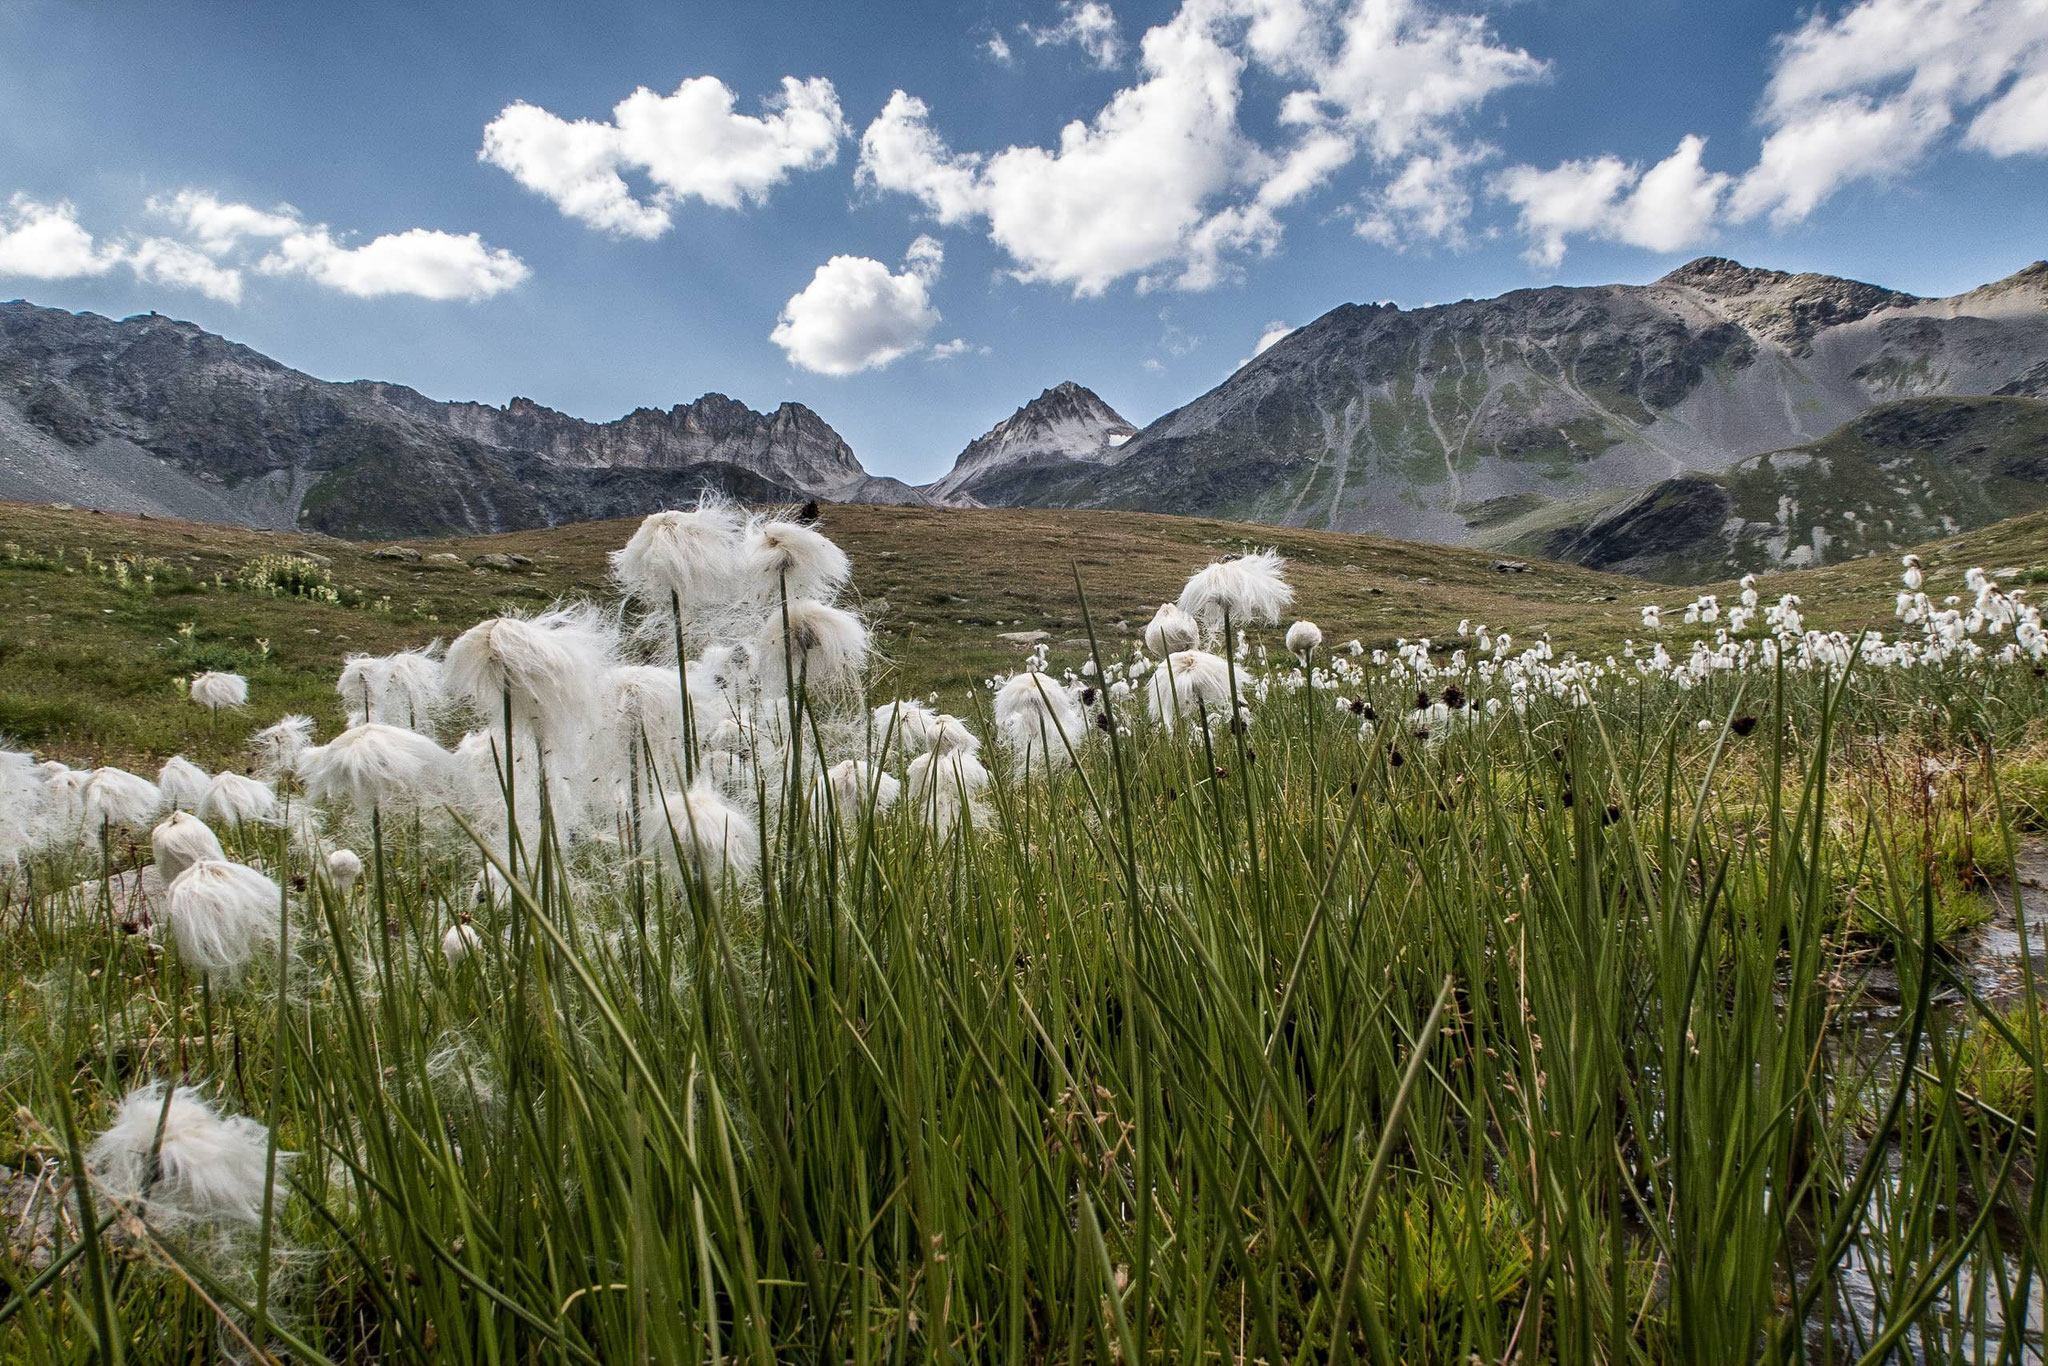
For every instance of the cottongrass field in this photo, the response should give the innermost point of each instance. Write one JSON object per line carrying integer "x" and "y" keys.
{"x": 626, "y": 985}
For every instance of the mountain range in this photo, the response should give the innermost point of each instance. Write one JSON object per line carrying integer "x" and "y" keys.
{"x": 1722, "y": 418}
{"x": 152, "y": 415}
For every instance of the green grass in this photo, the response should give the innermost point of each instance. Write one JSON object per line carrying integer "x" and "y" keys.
{"x": 1546, "y": 1037}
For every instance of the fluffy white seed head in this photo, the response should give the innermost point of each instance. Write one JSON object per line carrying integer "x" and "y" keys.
{"x": 712, "y": 836}
{"x": 217, "y": 691}
{"x": 180, "y": 842}
{"x": 375, "y": 765}
{"x": 114, "y": 796}
{"x": 412, "y": 688}
{"x": 1190, "y": 683}
{"x": 1039, "y": 720}
{"x": 551, "y": 667}
{"x": 1246, "y": 589}
{"x": 647, "y": 708}
{"x": 903, "y": 725}
{"x": 182, "y": 783}
{"x": 855, "y": 781}
{"x": 819, "y": 647}
{"x": 232, "y": 798}
{"x": 689, "y": 558}
{"x": 1171, "y": 629}
{"x": 207, "y": 1168}
{"x": 788, "y": 559}
{"x": 942, "y": 786}
{"x": 344, "y": 868}
{"x": 221, "y": 913}
{"x": 1302, "y": 639}
{"x": 277, "y": 747}
{"x": 460, "y": 942}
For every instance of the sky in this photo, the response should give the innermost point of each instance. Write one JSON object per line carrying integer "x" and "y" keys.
{"x": 912, "y": 217}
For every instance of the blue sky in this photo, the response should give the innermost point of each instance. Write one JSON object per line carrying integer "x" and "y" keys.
{"x": 308, "y": 180}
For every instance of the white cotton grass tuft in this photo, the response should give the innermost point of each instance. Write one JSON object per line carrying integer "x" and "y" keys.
{"x": 1038, "y": 719}
{"x": 1191, "y": 683}
{"x": 361, "y": 683}
{"x": 221, "y": 913}
{"x": 218, "y": 691}
{"x": 184, "y": 1162}
{"x": 855, "y": 784}
{"x": 1303, "y": 639}
{"x": 942, "y": 785}
{"x": 647, "y": 708}
{"x": 1171, "y": 630}
{"x": 791, "y": 560}
{"x": 181, "y": 841}
{"x": 904, "y": 725}
{"x": 712, "y": 836}
{"x": 411, "y": 693}
{"x": 687, "y": 559}
{"x": 344, "y": 869}
{"x": 1244, "y": 588}
{"x": 182, "y": 783}
{"x": 550, "y": 667}
{"x": 460, "y": 942}
{"x": 277, "y": 747}
{"x": 232, "y": 798}
{"x": 816, "y": 646}
{"x": 374, "y": 765}
{"x": 114, "y": 796}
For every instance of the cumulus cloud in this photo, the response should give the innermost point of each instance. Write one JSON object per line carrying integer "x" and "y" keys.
{"x": 1275, "y": 331}
{"x": 1865, "y": 94}
{"x": 46, "y": 242}
{"x": 1429, "y": 201}
{"x": 954, "y": 349}
{"x": 1089, "y": 25}
{"x": 856, "y": 314}
{"x": 215, "y": 243}
{"x": 1669, "y": 206}
{"x": 691, "y": 144}
{"x": 1162, "y": 183}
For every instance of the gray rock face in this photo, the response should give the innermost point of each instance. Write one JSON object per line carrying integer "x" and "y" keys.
{"x": 1902, "y": 473}
{"x": 1425, "y": 424}
{"x": 153, "y": 415}
{"x": 1064, "y": 432}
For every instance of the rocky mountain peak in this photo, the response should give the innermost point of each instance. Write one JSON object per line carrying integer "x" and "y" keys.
{"x": 1065, "y": 425}
{"x": 1789, "y": 309}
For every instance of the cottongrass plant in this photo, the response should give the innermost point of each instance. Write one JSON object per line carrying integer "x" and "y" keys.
{"x": 182, "y": 783}
{"x": 221, "y": 913}
{"x": 1571, "y": 1031}
{"x": 217, "y": 691}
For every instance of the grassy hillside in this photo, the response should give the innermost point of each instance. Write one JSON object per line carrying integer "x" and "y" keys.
{"x": 102, "y": 616}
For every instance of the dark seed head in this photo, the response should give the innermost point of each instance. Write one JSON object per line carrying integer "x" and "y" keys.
{"x": 1102, "y": 722}
{"x": 1742, "y": 725}
{"x": 1422, "y": 700}
{"x": 808, "y": 513}
{"x": 1454, "y": 697}
{"x": 1370, "y": 714}
{"x": 1087, "y": 697}
{"x": 1358, "y": 706}
{"x": 1613, "y": 813}
{"x": 1394, "y": 758}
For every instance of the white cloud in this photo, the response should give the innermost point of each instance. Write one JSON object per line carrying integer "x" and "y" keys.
{"x": 216, "y": 242}
{"x": 1866, "y": 94}
{"x": 997, "y": 49}
{"x": 46, "y": 242}
{"x": 419, "y": 261}
{"x": 1670, "y": 206}
{"x": 689, "y": 145}
{"x": 167, "y": 261}
{"x": 1275, "y": 331}
{"x": 1087, "y": 24}
{"x": 1429, "y": 201}
{"x": 954, "y": 349}
{"x": 217, "y": 226}
{"x": 856, "y": 315}
{"x": 1162, "y": 183}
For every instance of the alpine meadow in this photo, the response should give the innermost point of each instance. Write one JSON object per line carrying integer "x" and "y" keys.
{"x": 1024, "y": 683}
{"x": 628, "y": 980}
